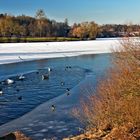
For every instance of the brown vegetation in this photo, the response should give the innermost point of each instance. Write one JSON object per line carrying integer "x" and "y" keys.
{"x": 118, "y": 133}
{"x": 15, "y": 136}
{"x": 117, "y": 100}
{"x": 85, "y": 30}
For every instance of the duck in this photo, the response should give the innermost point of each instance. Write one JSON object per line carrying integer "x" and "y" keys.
{"x": 17, "y": 90}
{"x": 21, "y": 77}
{"x": 1, "y": 92}
{"x": 62, "y": 83}
{"x": 20, "y": 58}
{"x": 9, "y": 81}
{"x": 67, "y": 89}
{"x": 68, "y": 93}
{"x": 68, "y": 67}
{"x": 53, "y": 107}
{"x": 45, "y": 77}
{"x": 20, "y": 98}
{"x": 37, "y": 72}
{"x": 49, "y": 69}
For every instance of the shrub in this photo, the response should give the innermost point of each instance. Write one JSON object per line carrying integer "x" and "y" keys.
{"x": 117, "y": 98}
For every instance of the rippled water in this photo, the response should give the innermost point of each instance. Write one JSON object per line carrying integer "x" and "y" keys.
{"x": 22, "y": 96}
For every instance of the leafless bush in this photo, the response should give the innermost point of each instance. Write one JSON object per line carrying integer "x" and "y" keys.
{"x": 117, "y": 98}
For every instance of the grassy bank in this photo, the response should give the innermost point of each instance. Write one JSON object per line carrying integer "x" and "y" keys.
{"x": 36, "y": 39}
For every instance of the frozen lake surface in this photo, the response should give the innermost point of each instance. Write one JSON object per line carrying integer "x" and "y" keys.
{"x": 33, "y": 114}
{"x": 18, "y": 52}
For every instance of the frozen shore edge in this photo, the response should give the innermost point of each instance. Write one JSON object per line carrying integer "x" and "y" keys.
{"x": 20, "y": 52}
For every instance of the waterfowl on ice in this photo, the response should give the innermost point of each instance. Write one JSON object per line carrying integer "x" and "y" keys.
{"x": 45, "y": 77}
{"x": 37, "y": 72}
{"x": 68, "y": 93}
{"x": 21, "y": 77}
{"x": 68, "y": 67}
{"x": 20, "y": 58}
{"x": 53, "y": 107}
{"x": 20, "y": 98}
{"x": 9, "y": 81}
{"x": 62, "y": 83}
{"x": 17, "y": 90}
{"x": 49, "y": 69}
{"x": 1, "y": 92}
{"x": 67, "y": 89}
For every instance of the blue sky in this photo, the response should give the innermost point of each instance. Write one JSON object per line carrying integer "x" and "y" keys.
{"x": 101, "y": 11}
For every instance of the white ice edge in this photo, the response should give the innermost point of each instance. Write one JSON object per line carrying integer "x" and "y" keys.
{"x": 10, "y": 52}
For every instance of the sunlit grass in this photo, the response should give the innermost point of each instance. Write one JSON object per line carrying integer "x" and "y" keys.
{"x": 36, "y": 39}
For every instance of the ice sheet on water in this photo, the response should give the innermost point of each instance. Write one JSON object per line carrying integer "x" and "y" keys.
{"x": 24, "y": 95}
{"x": 59, "y": 123}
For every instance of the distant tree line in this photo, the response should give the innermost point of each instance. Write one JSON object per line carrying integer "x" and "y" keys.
{"x": 85, "y": 30}
{"x": 41, "y": 26}
{"x": 38, "y": 26}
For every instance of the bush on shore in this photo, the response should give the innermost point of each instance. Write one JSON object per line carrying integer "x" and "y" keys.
{"x": 116, "y": 102}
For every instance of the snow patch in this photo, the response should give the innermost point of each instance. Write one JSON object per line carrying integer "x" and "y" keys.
{"x": 19, "y": 52}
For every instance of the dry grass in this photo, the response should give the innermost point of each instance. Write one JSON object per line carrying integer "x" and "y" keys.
{"x": 15, "y": 136}
{"x": 117, "y": 99}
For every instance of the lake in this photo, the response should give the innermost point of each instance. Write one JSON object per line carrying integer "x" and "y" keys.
{"x": 23, "y": 96}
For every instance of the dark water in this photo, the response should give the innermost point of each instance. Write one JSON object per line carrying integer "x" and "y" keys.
{"x": 22, "y": 96}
